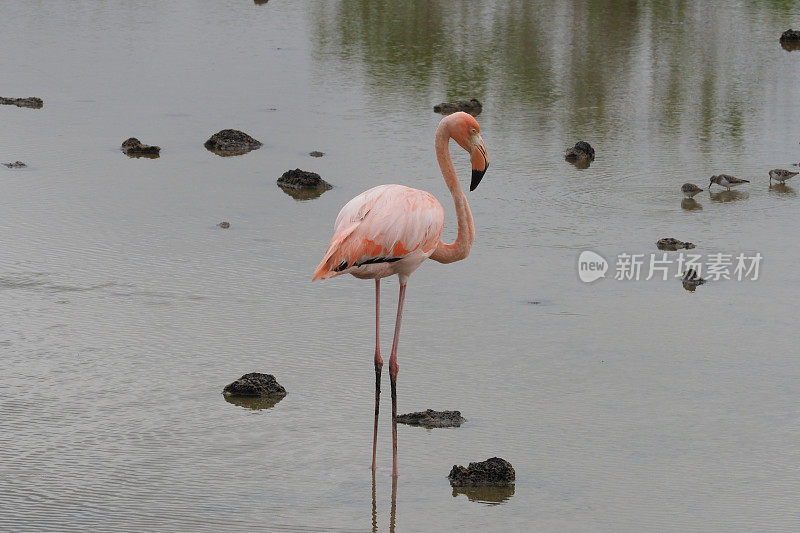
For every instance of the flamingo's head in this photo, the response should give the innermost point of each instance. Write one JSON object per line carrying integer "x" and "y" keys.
{"x": 467, "y": 133}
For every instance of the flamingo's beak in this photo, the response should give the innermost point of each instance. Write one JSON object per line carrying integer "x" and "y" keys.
{"x": 480, "y": 162}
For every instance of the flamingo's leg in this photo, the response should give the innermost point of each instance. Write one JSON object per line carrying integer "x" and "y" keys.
{"x": 393, "y": 368}
{"x": 393, "y": 512}
{"x": 378, "y": 367}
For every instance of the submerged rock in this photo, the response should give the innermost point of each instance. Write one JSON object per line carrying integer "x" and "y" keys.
{"x": 671, "y": 244}
{"x": 32, "y": 102}
{"x": 224, "y": 224}
{"x": 582, "y": 151}
{"x": 315, "y": 153}
{"x": 485, "y": 494}
{"x": 254, "y": 402}
{"x": 491, "y": 472}
{"x": 254, "y": 385}
{"x": 133, "y": 147}
{"x": 15, "y": 164}
{"x": 231, "y": 142}
{"x": 472, "y": 106}
{"x": 790, "y": 46}
{"x": 433, "y": 419}
{"x": 302, "y": 195}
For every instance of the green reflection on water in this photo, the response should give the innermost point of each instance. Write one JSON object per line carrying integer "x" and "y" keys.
{"x": 597, "y": 66}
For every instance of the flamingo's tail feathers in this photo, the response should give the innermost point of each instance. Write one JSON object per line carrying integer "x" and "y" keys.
{"x": 323, "y": 272}
{"x": 329, "y": 268}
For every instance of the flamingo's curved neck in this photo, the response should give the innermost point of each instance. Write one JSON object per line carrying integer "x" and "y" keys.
{"x": 459, "y": 249}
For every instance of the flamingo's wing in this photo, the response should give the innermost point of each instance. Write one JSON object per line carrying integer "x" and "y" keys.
{"x": 383, "y": 224}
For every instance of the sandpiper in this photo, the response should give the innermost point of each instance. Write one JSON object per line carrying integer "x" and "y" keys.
{"x": 726, "y": 181}
{"x": 781, "y": 175}
{"x": 692, "y": 277}
{"x": 690, "y": 189}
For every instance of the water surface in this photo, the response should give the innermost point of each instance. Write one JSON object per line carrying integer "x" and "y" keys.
{"x": 624, "y": 406}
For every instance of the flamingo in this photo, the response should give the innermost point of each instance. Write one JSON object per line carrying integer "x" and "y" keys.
{"x": 392, "y": 229}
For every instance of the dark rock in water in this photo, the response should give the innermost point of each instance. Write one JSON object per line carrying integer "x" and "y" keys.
{"x": 670, "y": 244}
{"x": 15, "y": 164}
{"x": 254, "y": 385}
{"x": 491, "y": 472}
{"x": 582, "y": 151}
{"x": 302, "y": 185}
{"x": 471, "y": 106}
{"x": 790, "y": 35}
{"x": 301, "y": 179}
{"x": 231, "y": 142}
{"x": 260, "y": 2}
{"x": 433, "y": 419}
{"x": 224, "y": 224}
{"x": 485, "y": 494}
{"x": 31, "y": 101}
{"x": 790, "y": 40}
{"x": 133, "y": 147}
{"x": 316, "y": 154}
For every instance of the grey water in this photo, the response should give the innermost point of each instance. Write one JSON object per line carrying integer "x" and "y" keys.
{"x": 623, "y": 405}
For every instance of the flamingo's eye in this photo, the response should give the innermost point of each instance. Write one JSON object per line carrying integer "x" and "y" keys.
{"x": 473, "y": 131}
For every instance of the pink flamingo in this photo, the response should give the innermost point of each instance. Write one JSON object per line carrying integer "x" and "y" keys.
{"x": 392, "y": 229}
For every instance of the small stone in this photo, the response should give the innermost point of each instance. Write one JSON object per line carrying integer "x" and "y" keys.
{"x": 432, "y": 419}
{"x": 582, "y": 151}
{"x": 491, "y": 472}
{"x": 15, "y": 164}
{"x": 315, "y": 153}
{"x": 255, "y": 384}
{"x": 224, "y": 224}
{"x": 231, "y": 142}
{"x": 133, "y": 147}
{"x": 671, "y": 244}
{"x": 472, "y": 106}
{"x": 790, "y": 35}
{"x": 32, "y": 102}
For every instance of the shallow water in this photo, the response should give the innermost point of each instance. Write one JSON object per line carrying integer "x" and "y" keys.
{"x": 624, "y": 406}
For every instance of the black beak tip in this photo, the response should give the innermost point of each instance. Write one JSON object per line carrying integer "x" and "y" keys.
{"x": 477, "y": 176}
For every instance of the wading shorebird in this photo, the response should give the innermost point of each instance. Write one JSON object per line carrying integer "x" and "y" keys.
{"x": 781, "y": 175}
{"x": 392, "y": 229}
{"x": 726, "y": 181}
{"x": 689, "y": 190}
